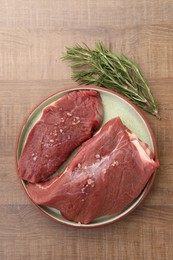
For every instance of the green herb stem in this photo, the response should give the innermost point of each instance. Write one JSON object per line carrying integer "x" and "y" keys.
{"x": 102, "y": 67}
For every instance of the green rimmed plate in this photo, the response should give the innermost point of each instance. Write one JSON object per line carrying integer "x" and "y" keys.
{"x": 114, "y": 105}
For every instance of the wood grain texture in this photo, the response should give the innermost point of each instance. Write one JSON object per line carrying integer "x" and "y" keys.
{"x": 33, "y": 36}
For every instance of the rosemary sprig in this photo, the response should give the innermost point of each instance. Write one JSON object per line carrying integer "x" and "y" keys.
{"x": 102, "y": 67}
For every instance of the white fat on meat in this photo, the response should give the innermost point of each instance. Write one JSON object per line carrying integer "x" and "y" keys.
{"x": 144, "y": 152}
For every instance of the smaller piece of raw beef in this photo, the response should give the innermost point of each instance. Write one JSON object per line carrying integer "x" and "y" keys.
{"x": 63, "y": 126}
{"x": 108, "y": 172}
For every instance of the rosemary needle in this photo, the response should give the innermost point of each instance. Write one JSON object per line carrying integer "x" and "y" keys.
{"x": 102, "y": 67}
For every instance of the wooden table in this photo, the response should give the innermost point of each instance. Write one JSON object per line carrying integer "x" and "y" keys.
{"x": 33, "y": 36}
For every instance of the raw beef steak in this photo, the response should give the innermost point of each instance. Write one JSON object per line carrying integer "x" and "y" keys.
{"x": 63, "y": 126}
{"x": 108, "y": 172}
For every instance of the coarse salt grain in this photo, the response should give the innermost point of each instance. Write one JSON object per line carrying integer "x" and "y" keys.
{"x": 79, "y": 165}
{"x": 97, "y": 156}
{"x": 115, "y": 163}
{"x": 69, "y": 114}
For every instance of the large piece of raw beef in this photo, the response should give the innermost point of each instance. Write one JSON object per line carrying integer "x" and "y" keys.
{"x": 108, "y": 172}
{"x": 63, "y": 126}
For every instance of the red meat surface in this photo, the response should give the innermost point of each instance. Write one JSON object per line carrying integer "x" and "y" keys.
{"x": 63, "y": 126}
{"x": 107, "y": 173}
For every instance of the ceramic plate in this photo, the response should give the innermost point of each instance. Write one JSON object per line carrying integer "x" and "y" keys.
{"x": 114, "y": 105}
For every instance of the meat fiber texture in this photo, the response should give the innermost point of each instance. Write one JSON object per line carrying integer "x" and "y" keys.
{"x": 63, "y": 126}
{"x": 107, "y": 173}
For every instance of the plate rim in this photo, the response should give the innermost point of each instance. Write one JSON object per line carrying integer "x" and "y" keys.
{"x": 146, "y": 189}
